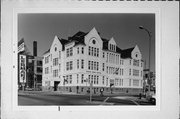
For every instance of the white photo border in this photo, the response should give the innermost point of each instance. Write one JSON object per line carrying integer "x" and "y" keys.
{"x": 92, "y": 10}
{"x": 166, "y": 30}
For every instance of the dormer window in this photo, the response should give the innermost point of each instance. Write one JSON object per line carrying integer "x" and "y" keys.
{"x": 112, "y": 47}
{"x": 55, "y": 49}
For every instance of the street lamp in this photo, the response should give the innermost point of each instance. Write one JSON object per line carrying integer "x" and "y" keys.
{"x": 149, "y": 34}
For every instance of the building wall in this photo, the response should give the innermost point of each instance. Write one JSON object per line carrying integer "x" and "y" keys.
{"x": 79, "y": 76}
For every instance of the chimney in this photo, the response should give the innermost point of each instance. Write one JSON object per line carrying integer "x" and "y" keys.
{"x": 34, "y": 48}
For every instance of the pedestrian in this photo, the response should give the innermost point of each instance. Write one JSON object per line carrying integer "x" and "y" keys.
{"x": 140, "y": 95}
{"x": 101, "y": 92}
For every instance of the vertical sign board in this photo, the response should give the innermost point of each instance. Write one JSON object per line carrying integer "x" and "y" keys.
{"x": 22, "y": 68}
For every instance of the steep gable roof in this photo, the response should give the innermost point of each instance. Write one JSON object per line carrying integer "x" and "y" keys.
{"x": 46, "y": 51}
{"x": 126, "y": 53}
{"x": 63, "y": 42}
{"x": 78, "y": 38}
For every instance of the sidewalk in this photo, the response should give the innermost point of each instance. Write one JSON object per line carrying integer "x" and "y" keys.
{"x": 45, "y": 93}
{"x": 71, "y": 93}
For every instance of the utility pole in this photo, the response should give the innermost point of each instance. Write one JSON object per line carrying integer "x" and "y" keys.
{"x": 149, "y": 34}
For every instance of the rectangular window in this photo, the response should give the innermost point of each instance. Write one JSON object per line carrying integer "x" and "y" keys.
{"x": 89, "y": 65}
{"x": 107, "y": 69}
{"x": 106, "y": 81}
{"x": 94, "y": 51}
{"x": 135, "y": 82}
{"x": 77, "y": 64}
{"x": 82, "y": 78}
{"x": 77, "y": 78}
{"x": 129, "y": 82}
{"x": 94, "y": 79}
{"x": 116, "y": 82}
{"x": 97, "y": 65}
{"x": 67, "y": 52}
{"x": 55, "y": 73}
{"x": 70, "y": 79}
{"x": 103, "y": 67}
{"x": 89, "y": 50}
{"x": 107, "y": 57}
{"x": 97, "y": 52}
{"x": 135, "y": 72}
{"x": 103, "y": 55}
{"x": 103, "y": 80}
{"x": 136, "y": 62}
{"x": 129, "y": 71}
{"x": 71, "y": 51}
{"x": 71, "y": 65}
{"x": 82, "y": 64}
{"x": 82, "y": 50}
{"x": 67, "y": 66}
{"x": 97, "y": 80}
{"x": 78, "y": 50}
{"x": 89, "y": 78}
{"x": 55, "y": 61}
{"x": 67, "y": 79}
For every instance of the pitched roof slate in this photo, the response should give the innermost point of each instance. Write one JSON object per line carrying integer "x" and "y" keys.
{"x": 78, "y": 38}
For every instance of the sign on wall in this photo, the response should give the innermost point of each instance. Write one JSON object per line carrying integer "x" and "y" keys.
{"x": 22, "y": 68}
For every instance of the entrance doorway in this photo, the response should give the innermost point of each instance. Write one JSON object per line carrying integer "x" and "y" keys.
{"x": 56, "y": 85}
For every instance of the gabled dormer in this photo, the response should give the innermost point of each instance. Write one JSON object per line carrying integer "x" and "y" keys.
{"x": 112, "y": 45}
{"x": 136, "y": 54}
{"x": 93, "y": 39}
{"x": 56, "y": 45}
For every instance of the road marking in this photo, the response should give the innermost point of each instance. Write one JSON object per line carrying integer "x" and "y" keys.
{"x": 134, "y": 102}
{"x": 106, "y": 99}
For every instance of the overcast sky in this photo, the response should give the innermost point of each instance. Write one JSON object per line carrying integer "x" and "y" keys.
{"x": 122, "y": 27}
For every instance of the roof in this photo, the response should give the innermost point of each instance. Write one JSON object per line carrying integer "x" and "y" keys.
{"x": 46, "y": 51}
{"x": 126, "y": 53}
{"x": 118, "y": 50}
{"x": 78, "y": 38}
{"x": 21, "y": 41}
{"x": 63, "y": 42}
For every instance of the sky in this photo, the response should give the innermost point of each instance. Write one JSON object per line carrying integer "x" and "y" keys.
{"x": 122, "y": 27}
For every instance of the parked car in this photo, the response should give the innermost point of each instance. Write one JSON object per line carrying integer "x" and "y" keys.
{"x": 153, "y": 99}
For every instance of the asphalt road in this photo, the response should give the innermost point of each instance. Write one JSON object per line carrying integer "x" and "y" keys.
{"x": 25, "y": 100}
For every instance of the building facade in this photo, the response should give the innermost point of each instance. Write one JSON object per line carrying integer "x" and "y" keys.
{"x": 86, "y": 58}
{"x": 29, "y": 68}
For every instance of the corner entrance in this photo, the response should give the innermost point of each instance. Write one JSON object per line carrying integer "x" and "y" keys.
{"x": 56, "y": 85}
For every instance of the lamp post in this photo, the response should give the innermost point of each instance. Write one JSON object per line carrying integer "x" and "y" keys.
{"x": 149, "y": 34}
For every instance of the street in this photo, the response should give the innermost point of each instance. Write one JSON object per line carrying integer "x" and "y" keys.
{"x": 72, "y": 99}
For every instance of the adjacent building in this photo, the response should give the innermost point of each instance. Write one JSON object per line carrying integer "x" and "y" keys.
{"x": 29, "y": 67}
{"x": 86, "y": 59}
